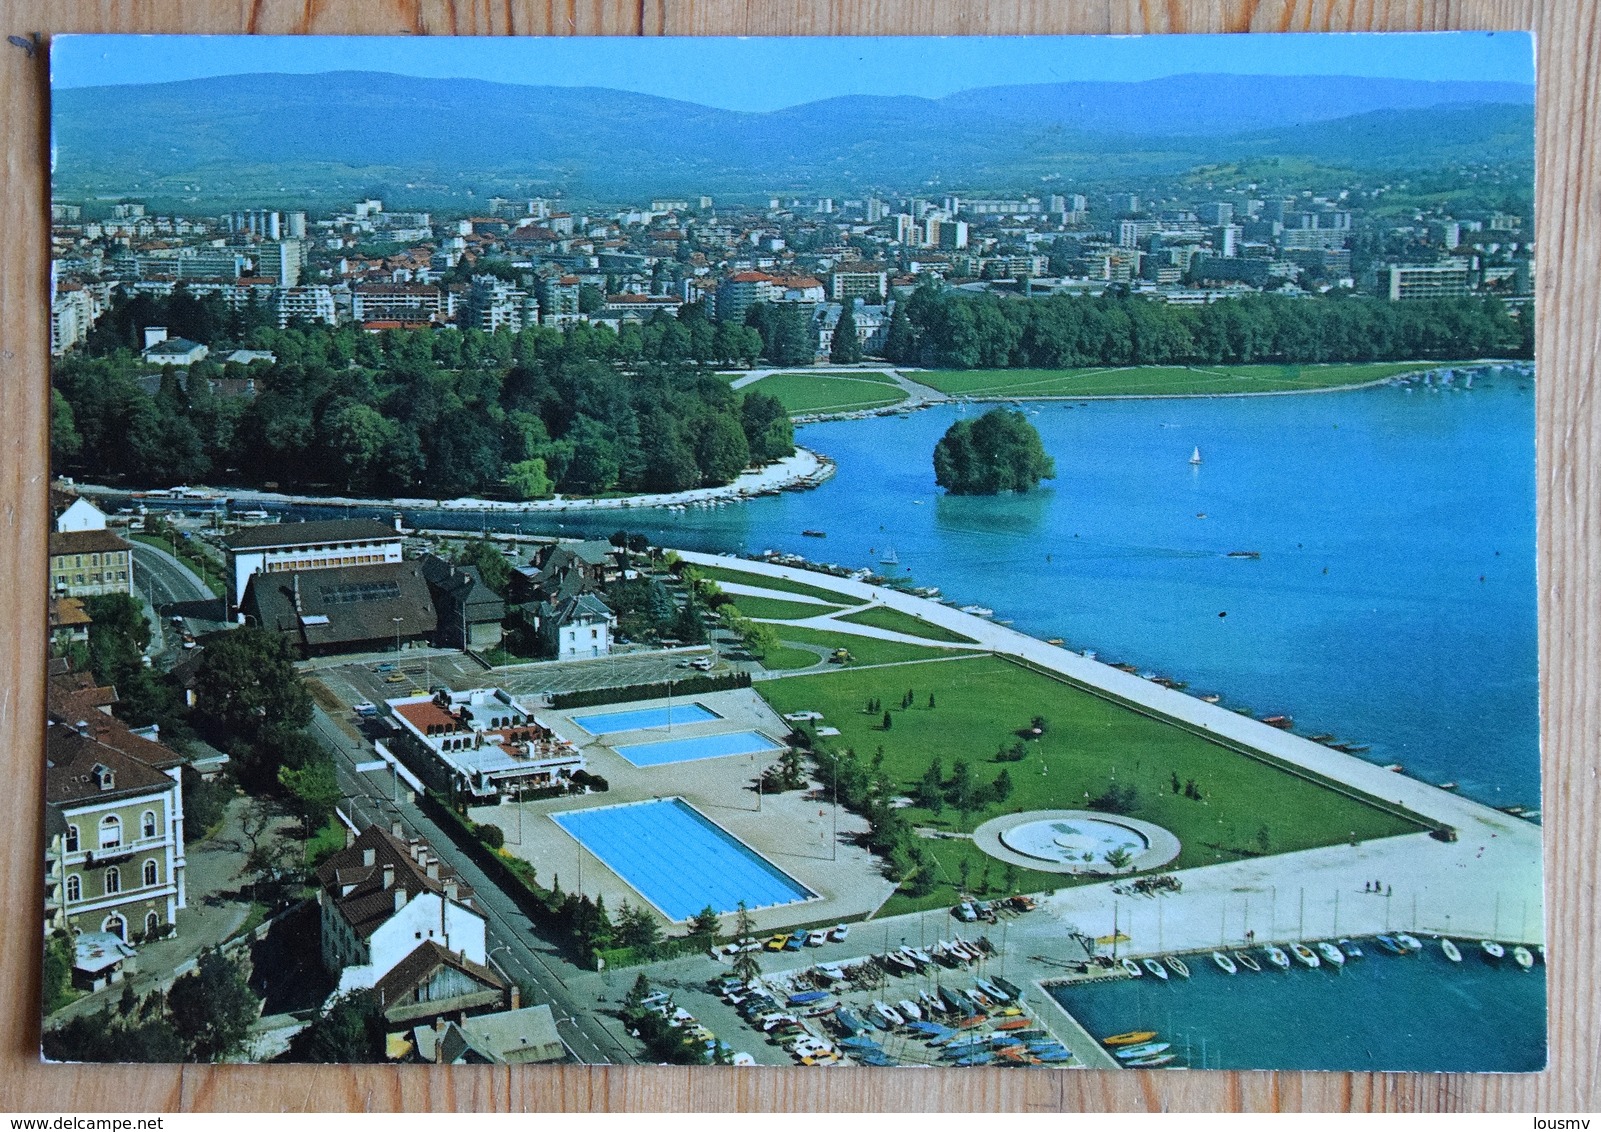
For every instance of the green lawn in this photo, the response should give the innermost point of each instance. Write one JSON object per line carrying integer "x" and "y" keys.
{"x": 762, "y": 581}
{"x": 817, "y": 393}
{"x": 779, "y": 610}
{"x": 1160, "y": 380}
{"x": 877, "y": 378}
{"x": 784, "y": 658}
{"x": 1089, "y": 744}
{"x": 863, "y": 650}
{"x": 882, "y": 617}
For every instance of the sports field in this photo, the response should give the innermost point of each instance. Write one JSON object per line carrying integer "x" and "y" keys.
{"x": 1160, "y": 381}
{"x": 1242, "y": 807}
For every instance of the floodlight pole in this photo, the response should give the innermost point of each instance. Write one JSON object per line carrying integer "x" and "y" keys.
{"x": 397, "y": 621}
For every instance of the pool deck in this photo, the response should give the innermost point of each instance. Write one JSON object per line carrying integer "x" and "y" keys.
{"x": 791, "y": 830}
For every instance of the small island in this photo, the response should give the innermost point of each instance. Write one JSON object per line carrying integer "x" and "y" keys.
{"x": 998, "y": 452}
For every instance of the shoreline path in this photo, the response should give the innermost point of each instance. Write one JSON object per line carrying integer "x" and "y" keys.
{"x": 1485, "y": 884}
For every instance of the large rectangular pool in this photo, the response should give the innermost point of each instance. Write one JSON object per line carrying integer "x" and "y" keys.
{"x": 697, "y": 747}
{"x": 680, "y": 860}
{"x": 608, "y": 722}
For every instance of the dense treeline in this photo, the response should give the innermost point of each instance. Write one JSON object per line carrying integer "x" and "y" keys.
{"x": 438, "y": 412}
{"x": 947, "y": 328}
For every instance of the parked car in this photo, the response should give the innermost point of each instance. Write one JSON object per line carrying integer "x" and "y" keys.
{"x": 964, "y": 912}
{"x": 839, "y": 932}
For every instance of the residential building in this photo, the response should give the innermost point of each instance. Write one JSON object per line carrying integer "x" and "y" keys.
{"x": 72, "y": 316}
{"x": 161, "y": 350}
{"x": 469, "y": 612}
{"x": 479, "y": 744}
{"x": 1123, "y": 204}
{"x": 871, "y": 286}
{"x": 403, "y": 302}
{"x": 576, "y": 627}
{"x": 493, "y": 303}
{"x": 319, "y": 545}
{"x": 1450, "y": 278}
{"x": 311, "y": 304}
{"x": 69, "y": 622}
{"x": 75, "y": 513}
{"x": 326, "y": 612}
{"x": 741, "y": 291}
{"x": 872, "y": 326}
{"x": 513, "y": 1037}
{"x": 84, "y": 563}
{"x": 434, "y": 984}
{"x": 114, "y": 827}
{"x": 383, "y": 897}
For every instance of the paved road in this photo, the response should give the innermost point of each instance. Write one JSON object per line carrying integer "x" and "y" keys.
{"x": 174, "y": 590}
{"x": 534, "y": 962}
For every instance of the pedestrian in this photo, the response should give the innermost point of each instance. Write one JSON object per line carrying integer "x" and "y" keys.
{"x": 1387, "y": 890}
{"x": 1367, "y": 886}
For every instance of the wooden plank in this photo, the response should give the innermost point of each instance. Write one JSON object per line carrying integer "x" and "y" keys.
{"x": 1570, "y": 562}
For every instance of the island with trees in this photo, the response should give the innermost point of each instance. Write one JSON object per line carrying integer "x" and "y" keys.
{"x": 998, "y": 452}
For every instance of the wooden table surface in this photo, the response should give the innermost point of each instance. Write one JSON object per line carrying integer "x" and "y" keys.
{"x": 1569, "y": 285}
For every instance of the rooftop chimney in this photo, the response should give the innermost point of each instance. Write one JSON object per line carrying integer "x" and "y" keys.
{"x": 395, "y": 828}
{"x": 389, "y": 877}
{"x": 450, "y": 888}
{"x": 369, "y": 857}
{"x": 400, "y": 899}
{"x": 433, "y": 869}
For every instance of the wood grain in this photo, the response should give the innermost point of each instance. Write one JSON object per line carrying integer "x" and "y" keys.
{"x": 1569, "y": 283}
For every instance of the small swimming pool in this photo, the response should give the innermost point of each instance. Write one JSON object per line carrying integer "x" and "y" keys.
{"x": 697, "y": 747}
{"x": 680, "y": 860}
{"x": 609, "y": 722}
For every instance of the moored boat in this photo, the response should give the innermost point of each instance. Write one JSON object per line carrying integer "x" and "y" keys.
{"x": 1224, "y": 963}
{"x": 1332, "y": 955}
{"x": 908, "y": 1010}
{"x": 1351, "y": 948}
{"x": 1277, "y": 957}
{"x": 1282, "y": 722}
{"x": 1410, "y": 942}
{"x": 1452, "y": 952}
{"x": 1493, "y": 951}
{"x": 1156, "y": 969}
{"x": 1177, "y": 966}
{"x": 1388, "y": 945}
{"x": 1131, "y": 967}
{"x": 1247, "y": 960}
{"x": 1149, "y": 1049}
{"x": 1522, "y": 957}
{"x": 1156, "y": 1062}
{"x": 1132, "y": 1038}
{"x": 1305, "y": 955}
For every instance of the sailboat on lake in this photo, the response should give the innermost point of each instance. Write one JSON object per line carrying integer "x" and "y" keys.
{"x": 888, "y": 558}
{"x": 1195, "y": 457}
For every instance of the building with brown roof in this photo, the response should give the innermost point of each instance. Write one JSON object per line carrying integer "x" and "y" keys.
{"x": 384, "y": 896}
{"x": 88, "y": 562}
{"x": 281, "y": 547}
{"x": 353, "y": 609}
{"x": 434, "y": 982}
{"x": 114, "y": 825}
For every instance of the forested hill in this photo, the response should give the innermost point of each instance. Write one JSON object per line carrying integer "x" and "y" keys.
{"x": 337, "y": 135}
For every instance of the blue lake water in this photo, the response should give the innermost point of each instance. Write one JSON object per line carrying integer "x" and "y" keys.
{"x": 1418, "y": 1014}
{"x": 1393, "y": 603}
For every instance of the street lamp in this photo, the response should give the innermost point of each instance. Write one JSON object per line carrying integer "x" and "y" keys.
{"x": 397, "y": 621}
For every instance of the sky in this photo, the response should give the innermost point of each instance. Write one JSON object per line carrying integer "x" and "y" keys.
{"x": 767, "y": 74}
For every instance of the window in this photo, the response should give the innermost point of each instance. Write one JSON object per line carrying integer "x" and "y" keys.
{"x": 147, "y": 824}
{"x": 94, "y": 560}
{"x": 71, "y": 839}
{"x": 152, "y": 874}
{"x": 110, "y": 831}
{"x": 74, "y": 888}
{"x": 152, "y": 923}
{"x": 113, "y": 880}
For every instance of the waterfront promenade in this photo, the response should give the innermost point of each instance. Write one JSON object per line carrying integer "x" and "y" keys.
{"x": 1488, "y": 882}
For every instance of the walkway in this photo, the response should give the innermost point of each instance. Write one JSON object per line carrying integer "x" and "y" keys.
{"x": 917, "y": 394}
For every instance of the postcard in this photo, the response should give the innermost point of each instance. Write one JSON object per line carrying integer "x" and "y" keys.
{"x": 838, "y": 552}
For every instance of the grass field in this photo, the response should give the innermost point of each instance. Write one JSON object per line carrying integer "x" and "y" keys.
{"x": 779, "y": 610}
{"x": 864, "y": 375}
{"x": 1159, "y": 380}
{"x": 762, "y": 581}
{"x": 863, "y": 650}
{"x": 819, "y": 393}
{"x": 784, "y": 658}
{"x": 1246, "y": 807}
{"x": 882, "y": 617}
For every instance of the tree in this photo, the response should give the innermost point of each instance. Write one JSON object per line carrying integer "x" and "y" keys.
{"x": 887, "y": 722}
{"x": 118, "y": 636}
{"x": 961, "y": 791}
{"x": 930, "y": 792}
{"x": 1001, "y": 788}
{"x": 998, "y": 452}
{"x": 900, "y": 343}
{"x": 56, "y": 976}
{"x": 213, "y": 1008}
{"x": 247, "y": 680}
{"x": 314, "y": 788}
{"x": 530, "y": 479}
{"x": 493, "y": 568}
{"x": 350, "y": 1032}
{"x": 721, "y": 449}
{"x": 846, "y": 348}
{"x": 706, "y": 923}
{"x": 746, "y": 967}
{"x": 637, "y": 928}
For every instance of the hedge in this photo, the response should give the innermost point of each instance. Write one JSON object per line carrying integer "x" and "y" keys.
{"x": 689, "y": 686}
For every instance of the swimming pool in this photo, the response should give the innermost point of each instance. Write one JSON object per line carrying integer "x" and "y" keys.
{"x": 697, "y": 747}
{"x": 680, "y": 860}
{"x": 607, "y": 722}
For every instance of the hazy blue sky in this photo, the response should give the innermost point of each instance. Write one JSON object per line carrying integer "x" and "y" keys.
{"x": 764, "y": 74}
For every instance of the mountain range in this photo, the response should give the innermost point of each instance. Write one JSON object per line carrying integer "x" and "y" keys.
{"x": 337, "y": 133}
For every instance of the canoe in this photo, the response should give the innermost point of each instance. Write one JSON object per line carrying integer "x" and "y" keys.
{"x": 1149, "y": 1049}
{"x": 1224, "y": 963}
{"x": 1014, "y": 1024}
{"x": 1152, "y": 1062}
{"x": 1132, "y": 1038}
